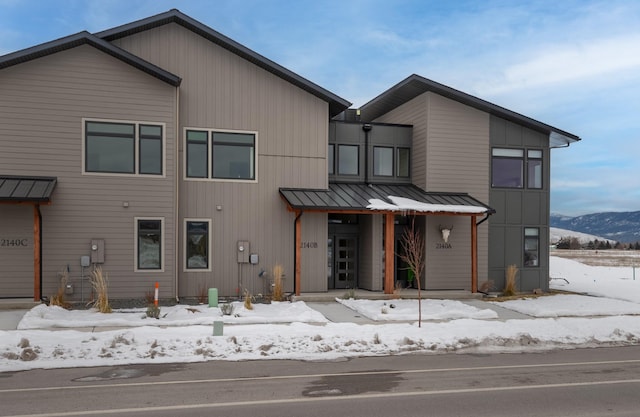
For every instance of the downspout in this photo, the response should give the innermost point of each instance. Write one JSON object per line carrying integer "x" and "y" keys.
{"x": 40, "y": 248}
{"x": 295, "y": 249}
{"x": 367, "y": 128}
{"x": 176, "y": 199}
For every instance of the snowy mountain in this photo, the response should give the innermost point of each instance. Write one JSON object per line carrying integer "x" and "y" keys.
{"x": 616, "y": 226}
{"x": 555, "y": 234}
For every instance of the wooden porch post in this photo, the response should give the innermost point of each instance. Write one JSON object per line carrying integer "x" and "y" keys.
{"x": 36, "y": 254}
{"x": 298, "y": 239}
{"x": 474, "y": 255}
{"x": 389, "y": 252}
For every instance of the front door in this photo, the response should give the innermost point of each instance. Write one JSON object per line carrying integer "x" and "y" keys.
{"x": 342, "y": 265}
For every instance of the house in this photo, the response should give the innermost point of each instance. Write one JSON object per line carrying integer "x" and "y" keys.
{"x": 167, "y": 153}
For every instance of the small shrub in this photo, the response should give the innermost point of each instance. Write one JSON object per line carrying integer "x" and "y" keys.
{"x": 59, "y": 298}
{"x": 248, "y": 300}
{"x": 153, "y": 311}
{"x": 226, "y": 309}
{"x": 99, "y": 284}
{"x": 510, "y": 281}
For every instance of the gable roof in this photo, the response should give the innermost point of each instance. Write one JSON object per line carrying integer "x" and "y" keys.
{"x": 86, "y": 38}
{"x": 336, "y": 103}
{"x": 22, "y": 189}
{"x": 416, "y": 85}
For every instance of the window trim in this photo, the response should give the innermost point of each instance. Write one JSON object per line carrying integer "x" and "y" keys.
{"x": 185, "y": 267}
{"x": 535, "y": 158}
{"x": 210, "y": 132}
{"x": 135, "y": 245}
{"x": 136, "y": 151}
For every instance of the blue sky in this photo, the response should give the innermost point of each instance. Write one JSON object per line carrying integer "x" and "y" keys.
{"x": 572, "y": 64}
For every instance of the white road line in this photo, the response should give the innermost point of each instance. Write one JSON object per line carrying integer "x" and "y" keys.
{"x": 319, "y": 399}
{"x": 310, "y": 376}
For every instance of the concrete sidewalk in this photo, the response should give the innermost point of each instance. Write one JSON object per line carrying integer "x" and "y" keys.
{"x": 332, "y": 310}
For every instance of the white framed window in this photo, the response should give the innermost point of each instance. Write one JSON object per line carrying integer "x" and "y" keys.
{"x": 149, "y": 244}
{"x": 221, "y": 155}
{"x": 114, "y": 147}
{"x": 197, "y": 245}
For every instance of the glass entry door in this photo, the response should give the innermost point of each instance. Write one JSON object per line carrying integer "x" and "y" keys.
{"x": 342, "y": 264}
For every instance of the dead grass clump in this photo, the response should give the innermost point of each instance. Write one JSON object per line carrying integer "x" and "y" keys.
{"x": 203, "y": 294}
{"x": 99, "y": 284}
{"x": 510, "y": 281}
{"x": 248, "y": 300}
{"x": 278, "y": 292}
{"x": 59, "y": 298}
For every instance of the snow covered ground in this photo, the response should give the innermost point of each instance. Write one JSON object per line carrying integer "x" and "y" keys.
{"x": 51, "y": 337}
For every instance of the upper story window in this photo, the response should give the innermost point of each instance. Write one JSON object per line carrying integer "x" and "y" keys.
{"x": 220, "y": 155}
{"x": 348, "y": 159}
{"x": 534, "y": 168}
{"x": 123, "y": 148}
{"x": 403, "y": 159}
{"x": 330, "y": 159}
{"x": 383, "y": 161}
{"x": 508, "y": 168}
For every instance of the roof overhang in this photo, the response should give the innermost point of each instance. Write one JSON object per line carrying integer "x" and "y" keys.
{"x": 382, "y": 198}
{"x": 24, "y": 189}
{"x": 415, "y": 85}
{"x": 86, "y": 38}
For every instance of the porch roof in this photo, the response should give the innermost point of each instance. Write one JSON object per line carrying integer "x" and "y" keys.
{"x": 365, "y": 198}
{"x": 20, "y": 189}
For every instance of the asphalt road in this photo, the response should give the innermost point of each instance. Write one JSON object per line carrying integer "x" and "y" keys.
{"x": 583, "y": 382}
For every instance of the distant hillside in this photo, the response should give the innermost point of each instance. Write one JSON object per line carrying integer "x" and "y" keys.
{"x": 555, "y": 234}
{"x": 621, "y": 227}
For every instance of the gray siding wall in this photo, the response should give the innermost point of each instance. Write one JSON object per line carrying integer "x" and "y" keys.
{"x": 222, "y": 91}
{"x": 517, "y": 209}
{"x": 450, "y": 152}
{"x": 43, "y": 103}
{"x": 16, "y": 251}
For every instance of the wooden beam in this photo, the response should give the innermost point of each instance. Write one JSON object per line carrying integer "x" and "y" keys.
{"x": 474, "y": 255}
{"x": 36, "y": 254}
{"x": 298, "y": 239}
{"x": 389, "y": 252}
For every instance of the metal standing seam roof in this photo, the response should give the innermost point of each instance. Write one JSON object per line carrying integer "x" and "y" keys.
{"x": 26, "y": 189}
{"x": 415, "y": 85}
{"x": 356, "y": 196}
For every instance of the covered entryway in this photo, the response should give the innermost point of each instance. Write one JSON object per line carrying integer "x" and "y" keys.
{"x": 21, "y": 234}
{"x": 388, "y": 201}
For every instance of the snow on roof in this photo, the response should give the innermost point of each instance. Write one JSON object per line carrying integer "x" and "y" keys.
{"x": 407, "y": 204}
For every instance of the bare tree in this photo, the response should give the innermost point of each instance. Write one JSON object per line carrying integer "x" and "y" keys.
{"x": 413, "y": 255}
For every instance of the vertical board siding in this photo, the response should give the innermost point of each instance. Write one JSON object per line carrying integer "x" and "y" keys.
{"x": 16, "y": 259}
{"x": 223, "y": 91}
{"x": 450, "y": 153}
{"x": 42, "y": 106}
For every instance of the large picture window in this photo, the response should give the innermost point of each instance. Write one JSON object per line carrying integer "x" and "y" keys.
{"x": 221, "y": 155}
{"x": 197, "y": 245}
{"x": 149, "y": 237}
{"x": 123, "y": 148}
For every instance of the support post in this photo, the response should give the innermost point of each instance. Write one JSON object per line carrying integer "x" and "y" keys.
{"x": 474, "y": 255}
{"x": 389, "y": 253}
{"x": 37, "y": 271}
{"x": 298, "y": 239}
